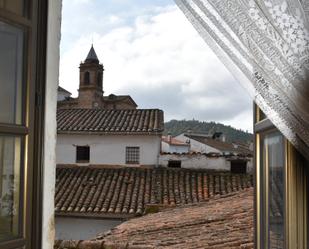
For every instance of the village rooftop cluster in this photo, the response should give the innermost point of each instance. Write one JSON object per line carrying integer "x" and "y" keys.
{"x": 114, "y": 163}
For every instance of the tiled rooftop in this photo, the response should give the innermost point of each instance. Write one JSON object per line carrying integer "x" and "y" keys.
{"x": 127, "y": 192}
{"x": 115, "y": 98}
{"x": 220, "y": 145}
{"x": 222, "y": 222}
{"x": 61, "y": 89}
{"x": 110, "y": 121}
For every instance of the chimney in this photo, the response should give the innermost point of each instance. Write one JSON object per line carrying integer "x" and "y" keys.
{"x": 169, "y": 137}
{"x": 223, "y": 138}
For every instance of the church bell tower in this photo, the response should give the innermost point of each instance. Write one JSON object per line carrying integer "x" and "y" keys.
{"x": 90, "y": 92}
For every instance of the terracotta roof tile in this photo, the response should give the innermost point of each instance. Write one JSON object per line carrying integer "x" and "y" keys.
{"x": 116, "y": 98}
{"x": 126, "y": 192}
{"x": 224, "y": 222}
{"x": 110, "y": 121}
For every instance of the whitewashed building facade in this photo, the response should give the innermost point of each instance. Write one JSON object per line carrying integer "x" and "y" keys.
{"x": 208, "y": 152}
{"x": 204, "y": 143}
{"x": 109, "y": 137}
{"x": 172, "y": 145}
{"x": 207, "y": 162}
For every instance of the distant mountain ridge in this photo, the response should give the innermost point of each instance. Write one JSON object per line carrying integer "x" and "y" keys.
{"x": 176, "y": 127}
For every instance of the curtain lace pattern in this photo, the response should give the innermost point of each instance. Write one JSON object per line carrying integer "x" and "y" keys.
{"x": 265, "y": 44}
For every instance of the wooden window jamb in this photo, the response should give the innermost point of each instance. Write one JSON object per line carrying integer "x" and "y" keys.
{"x": 40, "y": 13}
{"x": 34, "y": 24}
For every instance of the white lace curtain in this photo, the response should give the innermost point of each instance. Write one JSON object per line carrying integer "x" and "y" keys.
{"x": 265, "y": 44}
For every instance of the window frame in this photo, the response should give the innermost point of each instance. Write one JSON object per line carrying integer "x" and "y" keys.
{"x": 291, "y": 187}
{"x": 127, "y": 154}
{"x": 262, "y": 127}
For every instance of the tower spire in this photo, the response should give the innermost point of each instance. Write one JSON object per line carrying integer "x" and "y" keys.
{"x": 92, "y": 56}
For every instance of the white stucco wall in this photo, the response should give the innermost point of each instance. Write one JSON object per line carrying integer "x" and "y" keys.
{"x": 197, "y": 146}
{"x": 250, "y": 168}
{"x": 165, "y": 147}
{"x": 201, "y": 162}
{"x": 197, "y": 162}
{"x": 49, "y": 160}
{"x": 108, "y": 149}
{"x": 174, "y": 148}
{"x": 82, "y": 228}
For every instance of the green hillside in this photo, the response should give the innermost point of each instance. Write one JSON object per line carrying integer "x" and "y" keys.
{"x": 175, "y": 127}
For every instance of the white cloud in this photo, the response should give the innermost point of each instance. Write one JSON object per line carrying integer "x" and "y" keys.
{"x": 161, "y": 61}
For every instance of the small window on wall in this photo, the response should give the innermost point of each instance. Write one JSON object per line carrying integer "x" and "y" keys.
{"x": 87, "y": 78}
{"x": 132, "y": 155}
{"x": 239, "y": 167}
{"x": 82, "y": 154}
{"x": 174, "y": 164}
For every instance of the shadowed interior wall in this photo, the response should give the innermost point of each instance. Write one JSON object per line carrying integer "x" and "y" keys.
{"x": 81, "y": 228}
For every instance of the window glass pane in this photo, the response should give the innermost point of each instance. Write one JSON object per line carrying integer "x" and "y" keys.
{"x": 15, "y": 6}
{"x": 274, "y": 165}
{"x": 10, "y": 161}
{"x": 11, "y": 62}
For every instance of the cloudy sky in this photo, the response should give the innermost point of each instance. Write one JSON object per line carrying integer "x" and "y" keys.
{"x": 150, "y": 51}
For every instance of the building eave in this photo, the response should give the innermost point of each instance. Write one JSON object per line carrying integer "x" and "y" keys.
{"x": 95, "y": 215}
{"x": 156, "y": 133}
{"x": 180, "y": 145}
{"x": 61, "y": 89}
